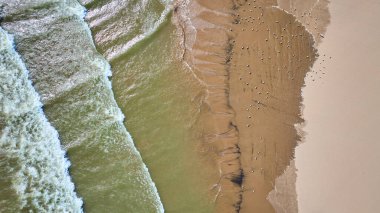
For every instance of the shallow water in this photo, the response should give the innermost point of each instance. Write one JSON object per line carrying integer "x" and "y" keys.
{"x": 159, "y": 96}
{"x": 155, "y": 93}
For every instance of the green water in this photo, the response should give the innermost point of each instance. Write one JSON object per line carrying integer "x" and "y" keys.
{"x": 160, "y": 98}
{"x": 156, "y": 93}
{"x": 70, "y": 76}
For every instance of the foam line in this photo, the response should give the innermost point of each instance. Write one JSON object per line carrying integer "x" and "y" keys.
{"x": 31, "y": 153}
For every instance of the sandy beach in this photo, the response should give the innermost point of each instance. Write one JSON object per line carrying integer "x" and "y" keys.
{"x": 190, "y": 106}
{"x": 338, "y": 162}
{"x": 252, "y": 57}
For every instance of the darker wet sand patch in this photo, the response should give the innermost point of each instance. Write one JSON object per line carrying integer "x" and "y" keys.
{"x": 253, "y": 68}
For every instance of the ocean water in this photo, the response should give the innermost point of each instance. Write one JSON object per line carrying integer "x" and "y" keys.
{"x": 160, "y": 101}
{"x": 70, "y": 54}
{"x": 34, "y": 170}
{"x": 159, "y": 96}
{"x": 119, "y": 25}
{"x": 72, "y": 79}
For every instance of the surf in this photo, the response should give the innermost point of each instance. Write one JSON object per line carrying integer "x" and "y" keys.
{"x": 33, "y": 164}
{"x": 73, "y": 81}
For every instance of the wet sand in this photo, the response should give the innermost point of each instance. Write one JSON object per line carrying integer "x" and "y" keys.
{"x": 338, "y": 163}
{"x": 252, "y": 58}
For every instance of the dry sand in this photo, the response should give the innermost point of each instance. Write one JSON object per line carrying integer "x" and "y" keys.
{"x": 338, "y": 165}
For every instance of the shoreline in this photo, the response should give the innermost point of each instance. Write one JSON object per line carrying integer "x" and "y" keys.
{"x": 206, "y": 53}
{"x": 257, "y": 74}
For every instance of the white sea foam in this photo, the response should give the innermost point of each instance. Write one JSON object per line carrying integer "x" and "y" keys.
{"x": 29, "y": 144}
{"x": 119, "y": 116}
{"x": 60, "y": 63}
